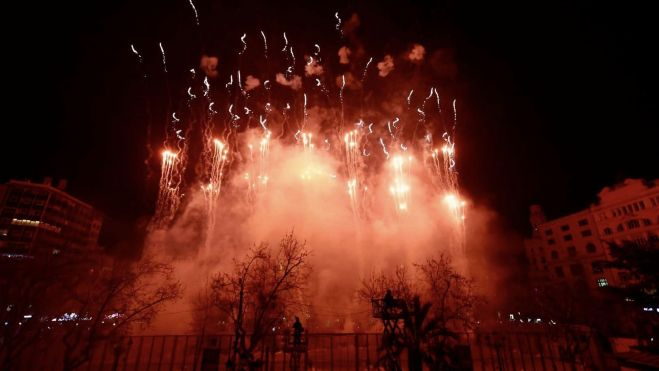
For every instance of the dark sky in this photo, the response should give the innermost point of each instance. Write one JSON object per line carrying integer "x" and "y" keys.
{"x": 559, "y": 98}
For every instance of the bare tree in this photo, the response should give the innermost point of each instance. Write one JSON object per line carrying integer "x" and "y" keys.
{"x": 377, "y": 284}
{"x": 439, "y": 302}
{"x": 29, "y": 290}
{"x": 263, "y": 288}
{"x": 111, "y": 301}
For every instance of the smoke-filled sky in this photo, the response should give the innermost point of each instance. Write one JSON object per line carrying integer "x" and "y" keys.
{"x": 557, "y": 99}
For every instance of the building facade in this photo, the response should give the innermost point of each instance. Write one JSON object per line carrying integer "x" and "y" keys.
{"x": 38, "y": 217}
{"x": 569, "y": 250}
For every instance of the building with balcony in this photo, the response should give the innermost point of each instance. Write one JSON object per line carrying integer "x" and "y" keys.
{"x": 570, "y": 249}
{"x": 37, "y": 218}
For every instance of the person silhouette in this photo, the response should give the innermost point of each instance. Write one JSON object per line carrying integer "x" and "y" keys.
{"x": 388, "y": 300}
{"x": 297, "y": 331}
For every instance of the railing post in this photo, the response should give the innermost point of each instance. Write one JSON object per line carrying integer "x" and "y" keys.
{"x": 331, "y": 352}
{"x": 139, "y": 354}
{"x": 148, "y": 362}
{"x": 356, "y": 352}
{"x": 185, "y": 352}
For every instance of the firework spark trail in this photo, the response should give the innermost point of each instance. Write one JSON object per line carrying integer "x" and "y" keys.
{"x": 338, "y": 23}
{"x": 366, "y": 69}
{"x": 264, "y": 154}
{"x": 265, "y": 45}
{"x": 343, "y": 85}
{"x": 352, "y": 161}
{"x": 400, "y": 187}
{"x": 139, "y": 58}
{"x": 207, "y": 86}
{"x": 164, "y": 61}
{"x": 196, "y": 16}
{"x": 212, "y": 190}
{"x": 169, "y": 196}
{"x": 242, "y": 39}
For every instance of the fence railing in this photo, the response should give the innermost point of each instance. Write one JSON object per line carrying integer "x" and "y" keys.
{"x": 496, "y": 351}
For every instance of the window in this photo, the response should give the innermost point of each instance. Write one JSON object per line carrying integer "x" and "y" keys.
{"x": 597, "y": 267}
{"x": 551, "y": 241}
{"x": 576, "y": 269}
{"x": 602, "y": 282}
{"x": 586, "y": 233}
{"x": 635, "y": 206}
{"x": 543, "y": 260}
{"x": 548, "y": 232}
{"x": 572, "y": 251}
{"x": 583, "y": 222}
{"x": 565, "y": 228}
{"x": 641, "y": 204}
{"x": 654, "y": 202}
{"x": 590, "y": 247}
{"x": 620, "y": 228}
{"x": 567, "y": 237}
{"x": 647, "y": 222}
{"x": 554, "y": 254}
{"x": 559, "y": 272}
{"x": 632, "y": 224}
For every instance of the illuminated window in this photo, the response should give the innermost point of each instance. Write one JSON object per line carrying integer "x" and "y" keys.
{"x": 572, "y": 251}
{"x": 586, "y": 233}
{"x": 583, "y": 222}
{"x": 602, "y": 282}
{"x": 590, "y": 247}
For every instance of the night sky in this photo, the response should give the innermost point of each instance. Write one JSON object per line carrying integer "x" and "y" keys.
{"x": 558, "y": 98}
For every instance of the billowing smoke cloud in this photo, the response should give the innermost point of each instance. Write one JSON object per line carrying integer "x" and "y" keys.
{"x": 306, "y": 193}
{"x": 386, "y": 66}
{"x": 313, "y": 68}
{"x": 294, "y": 83}
{"x": 252, "y": 82}
{"x": 417, "y": 53}
{"x": 344, "y": 55}
{"x": 209, "y": 65}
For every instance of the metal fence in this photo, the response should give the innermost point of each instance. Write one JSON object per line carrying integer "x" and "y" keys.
{"x": 500, "y": 351}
